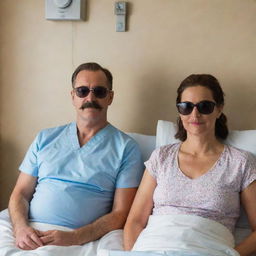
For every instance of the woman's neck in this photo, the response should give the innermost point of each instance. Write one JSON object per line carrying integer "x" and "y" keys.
{"x": 201, "y": 146}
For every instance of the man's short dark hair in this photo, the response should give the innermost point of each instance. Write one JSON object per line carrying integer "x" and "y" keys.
{"x": 92, "y": 66}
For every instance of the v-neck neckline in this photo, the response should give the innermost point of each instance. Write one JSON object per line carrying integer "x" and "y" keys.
{"x": 95, "y": 139}
{"x": 208, "y": 172}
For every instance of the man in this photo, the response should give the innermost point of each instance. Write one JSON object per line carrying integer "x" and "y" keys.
{"x": 83, "y": 175}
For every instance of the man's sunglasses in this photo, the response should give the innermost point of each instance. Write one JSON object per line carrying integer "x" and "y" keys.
{"x": 98, "y": 91}
{"x": 205, "y": 107}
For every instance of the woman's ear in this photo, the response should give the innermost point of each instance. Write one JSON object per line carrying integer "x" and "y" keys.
{"x": 220, "y": 108}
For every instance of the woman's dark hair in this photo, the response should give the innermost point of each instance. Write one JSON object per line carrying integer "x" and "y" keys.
{"x": 210, "y": 82}
{"x": 92, "y": 66}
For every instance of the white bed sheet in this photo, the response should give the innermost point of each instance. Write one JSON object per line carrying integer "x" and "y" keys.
{"x": 111, "y": 241}
{"x": 187, "y": 233}
{"x": 181, "y": 235}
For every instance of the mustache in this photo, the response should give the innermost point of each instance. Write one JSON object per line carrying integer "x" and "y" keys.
{"x": 92, "y": 104}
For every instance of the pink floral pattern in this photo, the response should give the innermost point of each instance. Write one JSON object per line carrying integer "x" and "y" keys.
{"x": 214, "y": 195}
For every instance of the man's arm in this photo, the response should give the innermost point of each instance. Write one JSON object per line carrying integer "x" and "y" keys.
{"x": 25, "y": 237}
{"x": 114, "y": 220}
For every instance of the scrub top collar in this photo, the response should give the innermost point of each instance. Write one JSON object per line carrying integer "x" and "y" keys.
{"x": 72, "y": 132}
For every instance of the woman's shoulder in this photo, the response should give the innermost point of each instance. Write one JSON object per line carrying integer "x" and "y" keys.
{"x": 166, "y": 150}
{"x": 162, "y": 157}
{"x": 238, "y": 154}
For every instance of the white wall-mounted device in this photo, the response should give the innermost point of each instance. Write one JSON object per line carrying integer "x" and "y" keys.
{"x": 120, "y": 11}
{"x": 65, "y": 9}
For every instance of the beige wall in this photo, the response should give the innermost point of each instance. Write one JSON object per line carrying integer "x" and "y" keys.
{"x": 167, "y": 40}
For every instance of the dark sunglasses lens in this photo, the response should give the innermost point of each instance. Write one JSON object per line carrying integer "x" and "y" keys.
{"x": 100, "y": 92}
{"x": 205, "y": 107}
{"x": 185, "y": 108}
{"x": 82, "y": 91}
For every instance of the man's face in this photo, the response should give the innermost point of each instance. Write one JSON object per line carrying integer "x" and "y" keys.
{"x": 91, "y": 108}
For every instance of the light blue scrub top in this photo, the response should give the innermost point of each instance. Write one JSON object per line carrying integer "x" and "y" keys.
{"x": 76, "y": 184}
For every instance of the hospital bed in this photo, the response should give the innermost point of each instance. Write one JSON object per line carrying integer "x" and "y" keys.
{"x": 111, "y": 244}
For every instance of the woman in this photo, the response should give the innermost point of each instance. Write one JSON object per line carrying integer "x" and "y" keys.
{"x": 189, "y": 197}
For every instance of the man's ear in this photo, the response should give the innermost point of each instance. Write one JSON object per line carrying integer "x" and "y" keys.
{"x": 111, "y": 97}
{"x": 72, "y": 96}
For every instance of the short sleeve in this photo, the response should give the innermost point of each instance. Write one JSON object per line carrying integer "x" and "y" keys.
{"x": 153, "y": 163}
{"x": 249, "y": 171}
{"x": 29, "y": 164}
{"x": 131, "y": 168}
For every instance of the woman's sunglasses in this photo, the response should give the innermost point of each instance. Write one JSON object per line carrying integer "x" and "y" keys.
{"x": 204, "y": 107}
{"x": 99, "y": 91}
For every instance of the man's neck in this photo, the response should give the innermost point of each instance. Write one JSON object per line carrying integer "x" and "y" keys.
{"x": 85, "y": 130}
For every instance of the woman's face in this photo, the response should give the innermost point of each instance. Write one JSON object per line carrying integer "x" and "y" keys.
{"x": 196, "y": 123}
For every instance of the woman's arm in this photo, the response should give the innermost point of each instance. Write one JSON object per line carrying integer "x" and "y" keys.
{"x": 140, "y": 211}
{"x": 248, "y": 198}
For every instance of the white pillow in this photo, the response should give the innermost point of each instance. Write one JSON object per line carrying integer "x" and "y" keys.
{"x": 165, "y": 132}
{"x": 241, "y": 139}
{"x": 146, "y": 143}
